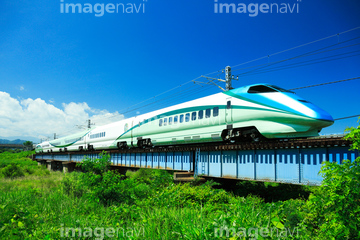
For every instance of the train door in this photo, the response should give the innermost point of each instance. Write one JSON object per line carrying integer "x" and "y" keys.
{"x": 228, "y": 111}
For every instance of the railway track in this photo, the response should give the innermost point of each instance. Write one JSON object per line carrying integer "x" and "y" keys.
{"x": 267, "y": 144}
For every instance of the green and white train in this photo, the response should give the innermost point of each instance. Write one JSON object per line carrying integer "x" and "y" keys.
{"x": 246, "y": 113}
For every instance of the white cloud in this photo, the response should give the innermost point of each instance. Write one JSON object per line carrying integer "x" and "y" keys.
{"x": 22, "y": 88}
{"x": 36, "y": 118}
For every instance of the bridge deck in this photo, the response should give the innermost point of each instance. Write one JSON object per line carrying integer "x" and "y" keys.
{"x": 295, "y": 161}
{"x": 11, "y": 146}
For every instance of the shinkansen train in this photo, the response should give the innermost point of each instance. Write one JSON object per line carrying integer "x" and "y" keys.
{"x": 247, "y": 113}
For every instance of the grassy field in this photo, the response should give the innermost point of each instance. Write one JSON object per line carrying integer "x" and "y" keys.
{"x": 102, "y": 204}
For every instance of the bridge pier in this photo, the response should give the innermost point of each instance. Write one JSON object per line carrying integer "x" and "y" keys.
{"x": 68, "y": 167}
{"x": 50, "y": 165}
{"x": 41, "y": 162}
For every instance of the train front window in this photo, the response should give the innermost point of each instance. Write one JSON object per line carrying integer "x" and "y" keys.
{"x": 280, "y": 89}
{"x": 261, "y": 89}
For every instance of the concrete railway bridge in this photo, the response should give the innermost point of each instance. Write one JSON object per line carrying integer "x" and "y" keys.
{"x": 293, "y": 161}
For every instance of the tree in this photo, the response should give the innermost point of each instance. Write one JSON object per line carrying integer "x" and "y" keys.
{"x": 28, "y": 145}
{"x": 354, "y": 136}
{"x": 334, "y": 207}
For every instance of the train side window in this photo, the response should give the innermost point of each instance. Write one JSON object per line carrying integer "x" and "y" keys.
{"x": 160, "y": 122}
{"x": 181, "y": 118}
{"x": 228, "y": 105}
{"x": 175, "y": 119}
{"x": 216, "y": 111}
{"x": 201, "y": 114}
{"x": 165, "y": 121}
{"x": 170, "y": 120}
{"x": 193, "y": 116}
{"x": 187, "y": 117}
{"x": 208, "y": 113}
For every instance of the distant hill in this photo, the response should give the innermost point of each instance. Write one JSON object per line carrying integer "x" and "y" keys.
{"x": 16, "y": 141}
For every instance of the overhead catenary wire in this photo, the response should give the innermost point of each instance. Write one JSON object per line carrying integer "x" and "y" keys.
{"x": 305, "y": 63}
{"x": 296, "y": 57}
{"x": 299, "y": 46}
{"x": 181, "y": 94}
{"x": 300, "y": 56}
{"x": 327, "y": 83}
{"x": 153, "y": 104}
{"x": 337, "y": 119}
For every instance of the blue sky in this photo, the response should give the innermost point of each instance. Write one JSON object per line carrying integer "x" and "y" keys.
{"x": 99, "y": 66}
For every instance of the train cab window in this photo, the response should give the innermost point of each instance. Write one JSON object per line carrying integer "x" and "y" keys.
{"x": 175, "y": 119}
{"x": 208, "y": 113}
{"x": 228, "y": 105}
{"x": 187, "y": 117}
{"x": 280, "y": 89}
{"x": 181, "y": 118}
{"x": 261, "y": 89}
{"x": 215, "y": 111}
{"x": 193, "y": 116}
{"x": 165, "y": 121}
{"x": 170, "y": 120}
{"x": 160, "y": 122}
{"x": 201, "y": 114}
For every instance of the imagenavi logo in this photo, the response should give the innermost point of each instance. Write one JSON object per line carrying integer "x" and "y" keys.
{"x": 254, "y": 9}
{"x": 100, "y": 9}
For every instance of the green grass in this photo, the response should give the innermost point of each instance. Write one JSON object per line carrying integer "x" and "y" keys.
{"x": 21, "y": 158}
{"x": 13, "y": 165}
{"x": 146, "y": 205}
{"x": 35, "y": 207}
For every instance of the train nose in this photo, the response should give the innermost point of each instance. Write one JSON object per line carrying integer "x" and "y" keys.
{"x": 324, "y": 116}
{"x": 316, "y": 113}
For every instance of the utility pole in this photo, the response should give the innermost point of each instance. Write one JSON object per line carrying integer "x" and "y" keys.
{"x": 228, "y": 78}
{"x": 89, "y": 124}
{"x": 227, "y": 81}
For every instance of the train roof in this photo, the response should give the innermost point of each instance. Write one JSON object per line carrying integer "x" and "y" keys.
{"x": 259, "y": 88}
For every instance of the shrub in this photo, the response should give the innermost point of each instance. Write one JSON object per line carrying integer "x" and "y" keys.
{"x": 155, "y": 177}
{"x": 334, "y": 208}
{"x": 181, "y": 195}
{"x": 97, "y": 165}
{"x": 12, "y": 171}
{"x": 72, "y": 184}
